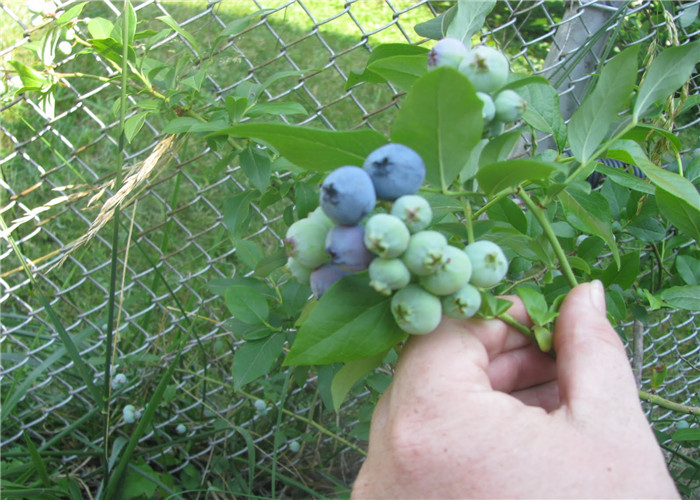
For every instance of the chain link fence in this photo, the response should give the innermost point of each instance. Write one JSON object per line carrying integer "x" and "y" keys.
{"x": 56, "y": 166}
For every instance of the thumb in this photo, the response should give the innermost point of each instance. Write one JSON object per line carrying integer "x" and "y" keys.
{"x": 592, "y": 364}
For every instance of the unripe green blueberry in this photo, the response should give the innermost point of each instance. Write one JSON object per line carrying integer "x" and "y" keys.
{"x": 306, "y": 242}
{"x": 496, "y": 127}
{"x": 682, "y": 424}
{"x": 118, "y": 381}
{"x": 386, "y": 275}
{"x": 128, "y": 412}
{"x": 452, "y": 275}
{"x": 424, "y": 254}
{"x": 137, "y": 413}
{"x": 488, "y": 111}
{"x": 415, "y": 310}
{"x": 509, "y": 106}
{"x": 486, "y": 68}
{"x": 300, "y": 273}
{"x": 414, "y": 211}
{"x": 462, "y": 304}
{"x": 260, "y": 405}
{"x": 386, "y": 235}
{"x": 320, "y": 217}
{"x": 447, "y": 52}
{"x": 489, "y": 263}
{"x": 181, "y": 429}
{"x": 294, "y": 446}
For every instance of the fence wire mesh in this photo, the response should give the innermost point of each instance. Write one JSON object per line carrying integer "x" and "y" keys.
{"x": 57, "y": 166}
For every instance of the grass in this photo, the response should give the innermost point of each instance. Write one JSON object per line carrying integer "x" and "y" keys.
{"x": 176, "y": 245}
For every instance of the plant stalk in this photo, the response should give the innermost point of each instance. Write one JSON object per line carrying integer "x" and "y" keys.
{"x": 549, "y": 232}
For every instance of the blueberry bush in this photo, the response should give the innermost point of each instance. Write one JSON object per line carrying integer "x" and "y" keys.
{"x": 325, "y": 243}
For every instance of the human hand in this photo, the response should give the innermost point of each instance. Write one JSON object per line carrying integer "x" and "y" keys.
{"x": 477, "y": 411}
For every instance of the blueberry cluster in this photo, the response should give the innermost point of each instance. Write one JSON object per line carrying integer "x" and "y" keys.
{"x": 487, "y": 70}
{"x": 426, "y": 275}
{"x": 131, "y": 414}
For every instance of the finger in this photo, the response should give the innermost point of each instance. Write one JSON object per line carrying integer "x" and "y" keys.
{"x": 521, "y": 368}
{"x": 593, "y": 367}
{"x": 545, "y": 396}
{"x": 497, "y": 340}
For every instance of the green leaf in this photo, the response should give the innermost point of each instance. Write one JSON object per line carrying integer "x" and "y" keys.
{"x": 244, "y": 331}
{"x": 31, "y": 79}
{"x": 350, "y": 374}
{"x": 676, "y": 185}
{"x": 590, "y": 213}
{"x": 688, "y": 434}
{"x": 270, "y": 262}
{"x": 388, "y": 51}
{"x": 100, "y": 28}
{"x": 688, "y": 269}
{"x": 181, "y": 31}
{"x": 312, "y": 148}
{"x": 469, "y": 19}
{"x": 237, "y": 211}
{"x": 668, "y": 71}
{"x": 247, "y": 305}
{"x": 498, "y": 148}
{"x": 130, "y": 18}
{"x": 112, "y": 50}
{"x": 257, "y": 167}
{"x": 543, "y": 112}
{"x": 644, "y": 131}
{"x": 535, "y": 305}
{"x": 506, "y": 210}
{"x": 625, "y": 179}
{"x": 255, "y": 358}
{"x": 249, "y": 252}
{"x": 625, "y": 275}
{"x": 402, "y": 71}
{"x": 351, "y": 321}
{"x": 139, "y": 483}
{"x": 503, "y": 174}
{"x": 238, "y": 25}
{"x": 590, "y": 122}
{"x": 180, "y": 125}
{"x": 441, "y": 120}
{"x": 646, "y": 229}
{"x": 683, "y": 297}
{"x": 70, "y": 14}
{"x": 133, "y": 125}
{"x": 276, "y": 108}
{"x": 682, "y": 215}
{"x": 437, "y": 27}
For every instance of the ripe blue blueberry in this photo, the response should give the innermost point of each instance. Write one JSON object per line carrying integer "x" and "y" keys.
{"x": 395, "y": 170}
{"x": 305, "y": 242}
{"x": 414, "y": 211}
{"x": 323, "y": 277}
{"x": 447, "y": 52}
{"x": 488, "y": 111}
{"x": 424, "y": 254}
{"x": 346, "y": 246}
{"x": 386, "y": 235}
{"x": 509, "y": 106}
{"x": 386, "y": 275}
{"x": 300, "y": 273}
{"x": 347, "y": 195}
{"x": 486, "y": 67}
{"x": 452, "y": 275}
{"x": 415, "y": 310}
{"x": 462, "y": 304}
{"x": 181, "y": 428}
{"x": 118, "y": 381}
{"x": 489, "y": 263}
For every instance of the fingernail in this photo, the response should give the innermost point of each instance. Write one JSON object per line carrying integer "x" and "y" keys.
{"x": 598, "y": 295}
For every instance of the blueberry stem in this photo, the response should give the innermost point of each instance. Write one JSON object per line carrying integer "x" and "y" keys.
{"x": 549, "y": 232}
{"x": 511, "y": 321}
{"x": 468, "y": 220}
{"x": 669, "y": 405}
